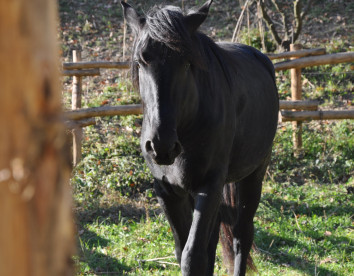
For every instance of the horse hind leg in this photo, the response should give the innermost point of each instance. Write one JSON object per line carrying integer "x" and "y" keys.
{"x": 248, "y": 196}
{"x": 228, "y": 217}
{"x": 243, "y": 230}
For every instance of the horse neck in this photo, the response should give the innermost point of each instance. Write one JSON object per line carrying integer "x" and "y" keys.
{"x": 213, "y": 83}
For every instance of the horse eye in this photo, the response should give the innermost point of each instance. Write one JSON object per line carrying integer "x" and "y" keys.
{"x": 146, "y": 57}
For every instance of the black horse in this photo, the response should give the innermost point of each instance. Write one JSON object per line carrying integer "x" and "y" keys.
{"x": 210, "y": 116}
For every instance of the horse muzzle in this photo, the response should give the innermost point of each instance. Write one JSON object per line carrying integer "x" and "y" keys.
{"x": 163, "y": 153}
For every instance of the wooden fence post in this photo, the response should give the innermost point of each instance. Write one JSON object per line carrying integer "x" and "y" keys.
{"x": 76, "y": 104}
{"x": 296, "y": 95}
{"x": 36, "y": 224}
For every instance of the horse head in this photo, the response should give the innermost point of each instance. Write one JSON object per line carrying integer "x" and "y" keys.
{"x": 162, "y": 56}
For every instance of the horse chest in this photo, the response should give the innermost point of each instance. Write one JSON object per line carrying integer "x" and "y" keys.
{"x": 187, "y": 175}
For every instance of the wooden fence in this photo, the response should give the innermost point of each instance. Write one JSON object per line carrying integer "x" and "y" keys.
{"x": 295, "y": 110}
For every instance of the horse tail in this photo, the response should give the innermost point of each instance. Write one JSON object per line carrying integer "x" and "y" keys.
{"x": 228, "y": 215}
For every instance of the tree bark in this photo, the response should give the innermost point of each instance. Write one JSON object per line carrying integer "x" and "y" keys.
{"x": 36, "y": 226}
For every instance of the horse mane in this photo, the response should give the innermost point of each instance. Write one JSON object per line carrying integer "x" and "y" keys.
{"x": 165, "y": 24}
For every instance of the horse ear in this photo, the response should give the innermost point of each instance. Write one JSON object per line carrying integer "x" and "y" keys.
{"x": 195, "y": 19}
{"x": 134, "y": 20}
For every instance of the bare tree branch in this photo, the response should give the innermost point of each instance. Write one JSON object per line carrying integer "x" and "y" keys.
{"x": 299, "y": 14}
{"x": 292, "y": 28}
{"x": 285, "y": 21}
{"x": 269, "y": 22}
{"x": 298, "y": 19}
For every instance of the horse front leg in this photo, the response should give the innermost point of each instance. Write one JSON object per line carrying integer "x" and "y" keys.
{"x": 177, "y": 206}
{"x": 199, "y": 252}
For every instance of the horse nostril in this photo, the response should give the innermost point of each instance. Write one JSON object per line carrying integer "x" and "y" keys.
{"x": 163, "y": 154}
{"x": 177, "y": 148}
{"x": 149, "y": 146}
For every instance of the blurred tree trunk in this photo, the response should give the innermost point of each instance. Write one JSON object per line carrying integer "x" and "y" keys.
{"x": 36, "y": 226}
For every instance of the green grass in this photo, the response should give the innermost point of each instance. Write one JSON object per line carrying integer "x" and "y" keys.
{"x": 304, "y": 230}
{"x": 327, "y": 154}
{"x": 125, "y": 246}
{"x": 128, "y": 247}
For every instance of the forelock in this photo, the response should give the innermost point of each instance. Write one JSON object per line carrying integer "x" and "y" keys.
{"x": 166, "y": 25}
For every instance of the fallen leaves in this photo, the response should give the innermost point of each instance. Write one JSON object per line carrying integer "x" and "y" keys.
{"x": 105, "y": 102}
{"x": 328, "y": 260}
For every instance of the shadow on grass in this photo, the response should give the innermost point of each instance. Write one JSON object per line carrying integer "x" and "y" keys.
{"x": 277, "y": 249}
{"x": 96, "y": 261}
{"x": 91, "y": 246}
{"x": 281, "y": 253}
{"x": 336, "y": 208}
{"x": 115, "y": 213}
{"x": 285, "y": 258}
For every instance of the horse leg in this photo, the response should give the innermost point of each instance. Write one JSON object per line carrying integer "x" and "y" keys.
{"x": 249, "y": 193}
{"x": 214, "y": 239}
{"x": 177, "y": 206}
{"x": 199, "y": 252}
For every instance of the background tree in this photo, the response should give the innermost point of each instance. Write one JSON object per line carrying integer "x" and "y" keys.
{"x": 36, "y": 227}
{"x": 291, "y": 13}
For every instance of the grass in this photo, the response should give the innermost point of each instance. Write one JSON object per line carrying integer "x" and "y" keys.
{"x": 125, "y": 246}
{"x": 304, "y": 230}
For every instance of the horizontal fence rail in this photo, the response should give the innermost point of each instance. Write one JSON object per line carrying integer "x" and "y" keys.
{"x": 137, "y": 109}
{"x": 307, "y": 59}
{"x": 300, "y": 105}
{"x": 82, "y": 72}
{"x": 315, "y": 61}
{"x": 126, "y": 65}
{"x": 73, "y": 124}
{"x": 96, "y": 64}
{"x": 287, "y": 116}
{"x": 133, "y": 109}
{"x": 298, "y": 54}
{"x": 295, "y": 110}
